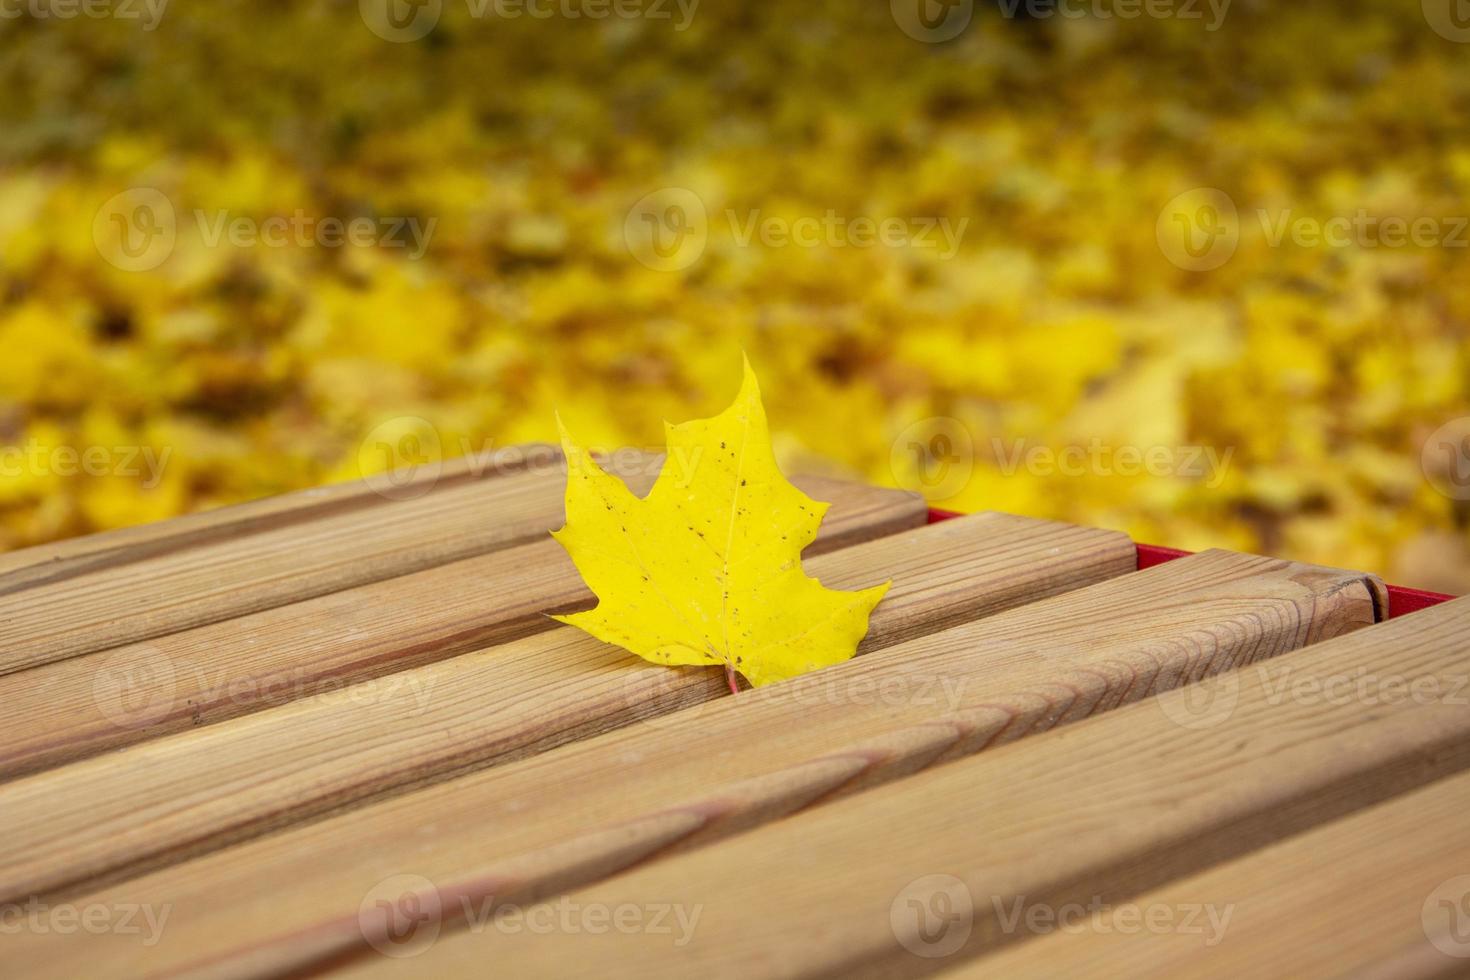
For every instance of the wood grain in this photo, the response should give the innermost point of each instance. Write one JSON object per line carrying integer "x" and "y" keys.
{"x": 1383, "y": 893}
{"x": 1097, "y": 812}
{"x": 192, "y": 583}
{"x": 76, "y": 708}
{"x": 584, "y": 811}
{"x": 165, "y": 800}
{"x": 61, "y": 560}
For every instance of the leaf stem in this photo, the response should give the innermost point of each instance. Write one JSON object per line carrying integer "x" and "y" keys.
{"x": 730, "y": 676}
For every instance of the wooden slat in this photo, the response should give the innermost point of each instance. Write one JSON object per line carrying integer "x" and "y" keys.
{"x": 162, "y": 801}
{"x": 1383, "y": 893}
{"x": 1096, "y": 812}
{"x": 192, "y": 583}
{"x": 84, "y": 705}
{"x": 61, "y": 560}
{"x": 588, "y": 810}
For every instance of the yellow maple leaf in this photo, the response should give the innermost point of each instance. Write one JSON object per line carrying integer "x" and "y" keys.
{"x": 707, "y": 568}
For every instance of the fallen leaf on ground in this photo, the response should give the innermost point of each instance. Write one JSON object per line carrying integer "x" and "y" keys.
{"x": 707, "y": 568}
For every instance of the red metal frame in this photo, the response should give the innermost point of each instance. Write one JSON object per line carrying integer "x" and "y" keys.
{"x": 1401, "y": 600}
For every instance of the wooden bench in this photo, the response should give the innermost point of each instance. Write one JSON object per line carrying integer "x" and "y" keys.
{"x": 336, "y": 732}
